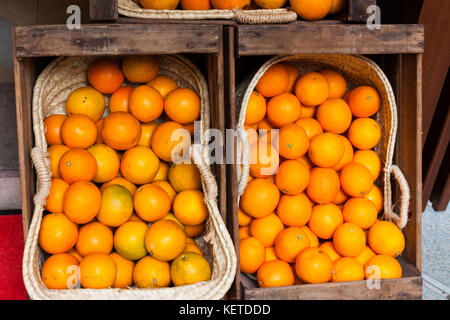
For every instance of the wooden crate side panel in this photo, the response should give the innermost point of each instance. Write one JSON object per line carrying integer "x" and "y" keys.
{"x": 103, "y": 10}
{"x": 357, "y": 10}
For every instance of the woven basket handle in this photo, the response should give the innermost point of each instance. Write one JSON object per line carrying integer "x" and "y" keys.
{"x": 402, "y": 219}
{"x": 264, "y": 16}
{"x": 199, "y": 155}
{"x": 245, "y": 161}
{"x": 41, "y": 162}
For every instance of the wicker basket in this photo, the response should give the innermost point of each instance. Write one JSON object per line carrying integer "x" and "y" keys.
{"x": 52, "y": 88}
{"x": 129, "y": 8}
{"x": 358, "y": 70}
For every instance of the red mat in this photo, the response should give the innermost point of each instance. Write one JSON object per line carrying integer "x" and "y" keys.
{"x": 11, "y": 250}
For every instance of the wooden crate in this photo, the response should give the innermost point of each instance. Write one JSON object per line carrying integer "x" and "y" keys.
{"x": 34, "y": 46}
{"x": 398, "y": 50}
{"x": 107, "y": 10}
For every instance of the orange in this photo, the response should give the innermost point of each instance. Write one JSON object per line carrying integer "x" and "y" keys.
{"x": 146, "y": 104}
{"x": 79, "y": 131}
{"x": 151, "y": 273}
{"x": 313, "y": 265}
{"x": 293, "y": 72}
{"x": 264, "y": 124}
{"x": 124, "y": 275}
{"x": 276, "y": 273}
{"x": 311, "y": 10}
{"x": 283, "y": 109}
{"x": 139, "y": 165}
{"x": 122, "y": 182}
{"x": 326, "y": 149}
{"x": 270, "y": 4}
{"x": 55, "y": 198}
{"x": 121, "y": 131}
{"x": 312, "y": 89}
{"x": 58, "y": 271}
{"x": 347, "y": 157}
{"x": 169, "y": 140}
{"x": 244, "y": 232}
{"x": 151, "y": 202}
{"x": 82, "y": 202}
{"x": 383, "y": 267}
{"x": 57, "y": 233}
{"x": 252, "y": 254}
{"x": 329, "y": 249}
{"x": 140, "y": 69}
{"x": 340, "y": 198}
{"x": 364, "y": 133}
{"x": 182, "y": 105}
{"x": 167, "y": 188}
{"x": 162, "y": 173}
{"x": 77, "y": 165}
{"x": 117, "y": 206}
{"x": 347, "y": 269}
{"x": 97, "y": 271}
{"x": 99, "y": 125}
{"x": 265, "y": 137}
{"x": 129, "y": 240}
{"x": 337, "y": 6}
{"x": 108, "y": 162}
{"x": 55, "y": 153}
{"x": 120, "y": 100}
{"x": 334, "y": 115}
{"x": 165, "y": 240}
{"x": 264, "y": 160}
{"x": 308, "y": 112}
{"x": 171, "y": 217}
{"x": 274, "y": 81}
{"x": 230, "y": 4}
{"x": 252, "y": 136}
{"x": 290, "y": 242}
{"x": 105, "y": 75}
{"x": 370, "y": 159}
{"x": 189, "y": 268}
{"x": 293, "y": 141}
{"x": 313, "y": 239}
{"x": 94, "y": 237}
{"x": 260, "y": 198}
{"x": 292, "y": 177}
{"x": 323, "y": 185}
{"x": 189, "y": 207}
{"x": 192, "y": 248}
{"x": 256, "y": 108}
{"x": 270, "y": 254}
{"x": 356, "y": 180}
{"x": 163, "y": 84}
{"x": 159, "y": 5}
{"x": 346, "y": 95}
{"x": 311, "y": 126}
{"x": 86, "y": 101}
{"x": 243, "y": 219}
{"x": 365, "y": 255}
{"x": 147, "y": 130}
{"x": 364, "y": 101}
{"x": 360, "y": 211}
{"x": 305, "y": 160}
{"x": 386, "y": 238}
{"x": 349, "y": 240}
{"x": 294, "y": 211}
{"x": 194, "y": 231}
{"x": 325, "y": 219}
{"x": 266, "y": 229}
{"x": 52, "y": 128}
{"x": 74, "y": 253}
{"x": 376, "y": 196}
{"x": 336, "y": 82}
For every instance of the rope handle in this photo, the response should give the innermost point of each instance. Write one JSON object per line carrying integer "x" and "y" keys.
{"x": 264, "y": 16}
{"x": 402, "y": 219}
{"x": 245, "y": 161}
{"x": 41, "y": 162}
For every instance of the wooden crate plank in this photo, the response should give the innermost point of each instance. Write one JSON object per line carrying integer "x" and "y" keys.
{"x": 328, "y": 38}
{"x": 357, "y": 10}
{"x": 57, "y": 40}
{"x": 103, "y": 10}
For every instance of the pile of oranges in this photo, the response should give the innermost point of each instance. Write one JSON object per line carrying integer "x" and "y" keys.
{"x": 306, "y": 9}
{"x": 309, "y": 213}
{"x": 109, "y": 220}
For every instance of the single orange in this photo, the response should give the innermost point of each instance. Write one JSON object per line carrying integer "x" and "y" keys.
{"x": 256, "y": 108}
{"x": 308, "y": 112}
{"x": 170, "y": 140}
{"x": 336, "y": 82}
{"x": 264, "y": 160}
{"x": 140, "y": 69}
{"x": 325, "y": 219}
{"x": 294, "y": 211}
{"x": 165, "y": 240}
{"x": 349, "y": 240}
{"x": 290, "y": 242}
{"x": 189, "y": 207}
{"x": 189, "y": 268}
{"x": 99, "y": 125}
{"x": 122, "y": 182}
{"x": 52, "y": 128}
{"x": 57, "y": 233}
{"x": 192, "y": 248}
{"x": 55, "y": 153}
{"x": 108, "y": 162}
{"x": 151, "y": 203}
{"x": 117, "y": 206}
{"x": 365, "y": 255}
{"x": 97, "y": 271}
{"x": 94, "y": 237}
{"x": 147, "y": 130}
{"x": 307, "y": 162}
{"x": 184, "y": 176}
{"x": 292, "y": 177}
{"x": 340, "y": 198}
{"x": 276, "y": 273}
{"x": 337, "y": 6}
{"x": 86, "y": 101}
{"x": 356, "y": 180}
{"x": 120, "y": 100}
{"x": 360, "y": 211}
{"x": 105, "y": 75}
{"x": 244, "y": 232}
{"x": 124, "y": 275}
{"x": 270, "y": 254}
{"x": 171, "y": 217}
{"x": 139, "y": 165}
{"x": 348, "y": 155}
{"x": 386, "y": 238}
{"x": 243, "y": 219}
{"x": 370, "y": 159}
{"x": 162, "y": 173}
{"x": 82, "y": 202}
{"x": 121, "y": 131}
{"x": 383, "y": 267}
{"x": 329, "y": 249}
{"x": 77, "y": 165}
{"x": 252, "y": 255}
{"x": 326, "y": 150}
{"x": 293, "y": 141}
{"x": 260, "y": 198}
{"x": 146, "y": 104}
{"x": 364, "y": 101}
{"x": 79, "y": 131}
{"x": 312, "y": 89}
{"x": 334, "y": 115}
{"x": 167, "y": 188}
{"x": 194, "y": 231}
{"x": 182, "y": 105}
{"x": 376, "y": 196}
{"x": 274, "y": 81}
{"x": 313, "y": 239}
{"x": 151, "y": 273}
{"x": 294, "y": 73}
{"x": 266, "y": 229}
{"x": 59, "y": 271}
{"x": 347, "y": 269}
{"x": 311, "y": 126}
{"x": 364, "y": 133}
{"x": 75, "y": 254}
{"x": 270, "y": 4}
{"x": 54, "y": 202}
{"x": 195, "y": 4}
{"x": 283, "y": 109}
{"x": 164, "y": 84}
{"x": 323, "y": 185}
{"x": 129, "y": 240}
{"x": 313, "y": 265}
{"x": 264, "y": 124}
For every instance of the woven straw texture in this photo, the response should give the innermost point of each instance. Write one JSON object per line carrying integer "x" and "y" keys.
{"x": 130, "y": 9}
{"x": 358, "y": 70}
{"x": 51, "y": 90}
